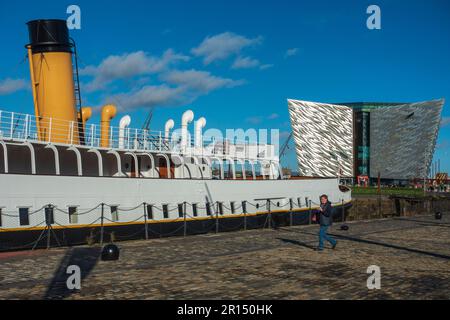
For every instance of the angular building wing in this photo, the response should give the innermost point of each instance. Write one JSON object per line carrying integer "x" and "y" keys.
{"x": 403, "y": 139}
{"x": 396, "y": 140}
{"x": 323, "y": 135}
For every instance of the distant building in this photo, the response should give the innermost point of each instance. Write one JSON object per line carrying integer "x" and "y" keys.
{"x": 396, "y": 140}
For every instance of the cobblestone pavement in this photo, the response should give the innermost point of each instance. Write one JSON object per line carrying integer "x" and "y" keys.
{"x": 413, "y": 254}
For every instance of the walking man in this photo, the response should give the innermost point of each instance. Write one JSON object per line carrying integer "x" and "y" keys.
{"x": 326, "y": 220}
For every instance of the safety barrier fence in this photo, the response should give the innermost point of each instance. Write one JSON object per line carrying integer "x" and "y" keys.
{"x": 26, "y": 127}
{"x": 214, "y": 210}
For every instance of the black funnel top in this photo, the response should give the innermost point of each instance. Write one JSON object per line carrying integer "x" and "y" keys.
{"x": 50, "y": 35}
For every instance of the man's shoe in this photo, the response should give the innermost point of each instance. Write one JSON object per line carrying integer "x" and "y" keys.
{"x": 334, "y": 246}
{"x": 318, "y": 249}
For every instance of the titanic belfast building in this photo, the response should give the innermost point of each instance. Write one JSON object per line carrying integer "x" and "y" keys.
{"x": 395, "y": 140}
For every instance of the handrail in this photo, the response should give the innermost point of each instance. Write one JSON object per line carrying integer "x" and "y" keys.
{"x": 26, "y": 127}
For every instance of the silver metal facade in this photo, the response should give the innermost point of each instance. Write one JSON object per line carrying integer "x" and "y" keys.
{"x": 403, "y": 138}
{"x": 323, "y": 135}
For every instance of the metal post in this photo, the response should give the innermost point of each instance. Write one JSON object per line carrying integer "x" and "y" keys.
{"x": 160, "y": 141}
{"x": 342, "y": 209}
{"x": 145, "y": 221}
{"x": 310, "y": 212}
{"x": 101, "y": 223}
{"x": 50, "y": 130}
{"x": 26, "y": 127}
{"x": 12, "y": 125}
{"x": 110, "y": 136}
{"x": 184, "y": 215}
{"x": 217, "y": 217}
{"x": 245, "y": 214}
{"x": 92, "y": 135}
{"x": 71, "y": 132}
{"x": 48, "y": 227}
{"x": 291, "y": 206}
{"x": 269, "y": 215}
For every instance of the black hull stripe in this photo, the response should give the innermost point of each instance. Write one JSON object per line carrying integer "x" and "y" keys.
{"x": 26, "y": 239}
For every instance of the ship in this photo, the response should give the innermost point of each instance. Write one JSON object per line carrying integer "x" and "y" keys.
{"x": 65, "y": 181}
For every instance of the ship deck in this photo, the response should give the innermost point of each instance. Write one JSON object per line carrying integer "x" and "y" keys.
{"x": 412, "y": 252}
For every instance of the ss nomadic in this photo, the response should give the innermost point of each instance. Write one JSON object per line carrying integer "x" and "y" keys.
{"x": 64, "y": 181}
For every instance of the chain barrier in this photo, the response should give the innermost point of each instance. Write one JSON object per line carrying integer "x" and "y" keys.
{"x": 214, "y": 209}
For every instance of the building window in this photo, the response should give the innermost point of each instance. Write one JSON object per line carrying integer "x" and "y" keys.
{"x": 180, "y": 210}
{"x": 73, "y": 216}
{"x": 24, "y": 217}
{"x": 194, "y": 209}
{"x": 232, "y": 207}
{"x": 150, "y": 211}
{"x": 208, "y": 208}
{"x": 165, "y": 211}
{"x": 114, "y": 213}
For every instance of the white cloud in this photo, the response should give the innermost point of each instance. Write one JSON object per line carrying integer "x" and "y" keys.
{"x": 445, "y": 121}
{"x": 254, "y": 120}
{"x": 8, "y": 85}
{"x": 222, "y": 46}
{"x": 260, "y": 119}
{"x": 180, "y": 88}
{"x": 201, "y": 81}
{"x": 149, "y": 96}
{"x": 128, "y": 65}
{"x": 245, "y": 63}
{"x": 266, "y": 66}
{"x": 291, "y": 52}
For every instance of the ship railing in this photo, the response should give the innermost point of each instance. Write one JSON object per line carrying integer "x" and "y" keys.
{"x": 25, "y": 127}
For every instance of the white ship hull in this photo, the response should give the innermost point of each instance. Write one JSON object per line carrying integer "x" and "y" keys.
{"x": 291, "y": 201}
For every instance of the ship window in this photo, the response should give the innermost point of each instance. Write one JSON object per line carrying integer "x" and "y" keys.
{"x": 232, "y": 207}
{"x": 24, "y": 217}
{"x": 220, "y": 207}
{"x": 165, "y": 211}
{"x": 194, "y": 209}
{"x": 150, "y": 211}
{"x": 73, "y": 216}
{"x": 180, "y": 210}
{"x": 208, "y": 208}
{"x": 114, "y": 213}
{"x": 244, "y": 206}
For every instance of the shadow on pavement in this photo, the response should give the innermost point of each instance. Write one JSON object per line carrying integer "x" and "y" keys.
{"x": 85, "y": 258}
{"x": 393, "y": 246}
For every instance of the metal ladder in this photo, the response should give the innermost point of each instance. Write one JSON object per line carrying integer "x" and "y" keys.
{"x": 76, "y": 82}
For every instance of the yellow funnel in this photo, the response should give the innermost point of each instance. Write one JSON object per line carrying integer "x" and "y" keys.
{"x": 50, "y": 57}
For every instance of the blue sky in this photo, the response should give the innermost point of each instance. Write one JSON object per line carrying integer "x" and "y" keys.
{"x": 236, "y": 62}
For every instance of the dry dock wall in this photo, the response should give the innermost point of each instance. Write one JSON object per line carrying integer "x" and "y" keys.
{"x": 376, "y": 207}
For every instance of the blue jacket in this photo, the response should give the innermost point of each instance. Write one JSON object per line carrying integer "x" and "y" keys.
{"x": 326, "y": 217}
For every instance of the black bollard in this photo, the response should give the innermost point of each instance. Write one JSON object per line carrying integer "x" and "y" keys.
{"x": 344, "y": 227}
{"x": 110, "y": 252}
{"x": 438, "y": 215}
